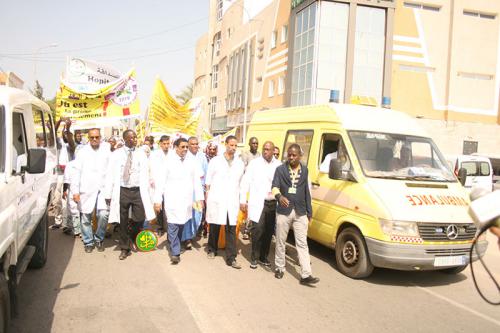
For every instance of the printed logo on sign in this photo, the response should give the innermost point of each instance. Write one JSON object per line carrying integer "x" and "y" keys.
{"x": 127, "y": 94}
{"x": 146, "y": 241}
{"x": 77, "y": 67}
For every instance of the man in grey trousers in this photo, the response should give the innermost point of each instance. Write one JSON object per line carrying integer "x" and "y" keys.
{"x": 291, "y": 189}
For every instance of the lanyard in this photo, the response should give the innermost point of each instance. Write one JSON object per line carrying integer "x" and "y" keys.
{"x": 295, "y": 175}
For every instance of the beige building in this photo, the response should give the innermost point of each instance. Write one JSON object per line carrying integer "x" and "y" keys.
{"x": 10, "y": 79}
{"x": 241, "y": 63}
{"x": 437, "y": 60}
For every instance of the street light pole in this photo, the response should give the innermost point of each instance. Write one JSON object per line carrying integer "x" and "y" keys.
{"x": 36, "y": 55}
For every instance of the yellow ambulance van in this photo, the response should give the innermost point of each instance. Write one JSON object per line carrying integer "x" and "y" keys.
{"x": 382, "y": 193}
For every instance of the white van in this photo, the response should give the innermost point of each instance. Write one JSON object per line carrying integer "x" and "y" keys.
{"x": 479, "y": 170}
{"x": 28, "y": 160}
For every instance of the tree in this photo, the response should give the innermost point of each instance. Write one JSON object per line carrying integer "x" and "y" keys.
{"x": 38, "y": 90}
{"x": 52, "y": 104}
{"x": 186, "y": 94}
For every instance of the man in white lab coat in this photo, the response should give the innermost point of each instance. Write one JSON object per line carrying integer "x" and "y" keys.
{"x": 257, "y": 199}
{"x": 158, "y": 161}
{"x": 223, "y": 188}
{"x": 128, "y": 183}
{"x": 200, "y": 160}
{"x": 87, "y": 186}
{"x": 182, "y": 183}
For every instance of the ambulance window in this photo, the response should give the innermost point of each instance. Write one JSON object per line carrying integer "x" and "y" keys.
{"x": 301, "y": 137}
{"x": 328, "y": 150}
{"x": 485, "y": 169}
{"x": 18, "y": 157}
{"x": 41, "y": 139}
{"x": 3, "y": 139}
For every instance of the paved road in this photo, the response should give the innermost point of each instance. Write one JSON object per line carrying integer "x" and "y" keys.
{"x": 79, "y": 292}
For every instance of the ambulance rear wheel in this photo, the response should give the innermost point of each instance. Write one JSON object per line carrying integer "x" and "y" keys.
{"x": 352, "y": 255}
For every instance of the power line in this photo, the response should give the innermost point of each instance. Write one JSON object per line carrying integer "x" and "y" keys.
{"x": 110, "y": 44}
{"x": 54, "y": 60}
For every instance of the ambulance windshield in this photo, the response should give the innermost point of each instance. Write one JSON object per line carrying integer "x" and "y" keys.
{"x": 397, "y": 156}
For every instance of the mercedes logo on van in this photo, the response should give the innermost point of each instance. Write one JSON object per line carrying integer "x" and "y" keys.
{"x": 452, "y": 232}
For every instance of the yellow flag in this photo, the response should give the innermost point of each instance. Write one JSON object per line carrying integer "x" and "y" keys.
{"x": 205, "y": 136}
{"x": 165, "y": 113}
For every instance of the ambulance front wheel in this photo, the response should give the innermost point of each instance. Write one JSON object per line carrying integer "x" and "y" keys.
{"x": 352, "y": 255}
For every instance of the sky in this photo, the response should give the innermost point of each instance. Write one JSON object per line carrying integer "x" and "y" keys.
{"x": 157, "y": 37}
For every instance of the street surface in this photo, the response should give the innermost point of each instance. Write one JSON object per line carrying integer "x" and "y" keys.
{"x": 79, "y": 292}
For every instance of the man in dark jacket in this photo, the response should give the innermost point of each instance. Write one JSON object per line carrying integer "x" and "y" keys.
{"x": 291, "y": 190}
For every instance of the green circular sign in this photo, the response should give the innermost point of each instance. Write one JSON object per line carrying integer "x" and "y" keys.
{"x": 146, "y": 241}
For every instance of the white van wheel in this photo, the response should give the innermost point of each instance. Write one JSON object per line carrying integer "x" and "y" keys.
{"x": 352, "y": 255}
{"x": 40, "y": 239}
{"x": 4, "y": 304}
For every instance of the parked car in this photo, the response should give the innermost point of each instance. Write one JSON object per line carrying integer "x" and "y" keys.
{"x": 28, "y": 160}
{"x": 479, "y": 170}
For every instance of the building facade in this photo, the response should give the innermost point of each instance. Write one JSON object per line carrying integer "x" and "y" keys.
{"x": 436, "y": 60}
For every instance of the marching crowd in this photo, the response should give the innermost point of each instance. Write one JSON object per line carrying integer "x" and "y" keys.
{"x": 188, "y": 192}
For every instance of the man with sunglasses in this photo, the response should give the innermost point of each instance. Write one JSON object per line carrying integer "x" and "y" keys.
{"x": 87, "y": 186}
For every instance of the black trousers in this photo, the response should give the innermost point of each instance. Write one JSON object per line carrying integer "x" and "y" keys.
{"x": 161, "y": 220}
{"x": 129, "y": 228}
{"x": 263, "y": 230}
{"x": 213, "y": 240}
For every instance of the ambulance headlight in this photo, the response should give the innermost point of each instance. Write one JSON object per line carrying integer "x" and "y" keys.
{"x": 399, "y": 228}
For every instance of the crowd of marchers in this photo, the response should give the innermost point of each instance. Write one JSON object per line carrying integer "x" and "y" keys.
{"x": 187, "y": 192}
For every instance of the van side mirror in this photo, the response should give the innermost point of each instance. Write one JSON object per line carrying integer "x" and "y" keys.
{"x": 335, "y": 169}
{"x": 36, "y": 160}
{"x": 462, "y": 176}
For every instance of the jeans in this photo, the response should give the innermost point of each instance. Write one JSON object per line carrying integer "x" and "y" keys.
{"x": 174, "y": 238}
{"x": 102, "y": 221}
{"x": 299, "y": 225}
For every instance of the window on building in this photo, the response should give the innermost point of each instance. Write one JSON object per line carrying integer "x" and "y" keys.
{"x": 217, "y": 43}
{"x": 213, "y": 107}
{"x": 369, "y": 52}
{"x": 274, "y": 37}
{"x": 473, "y": 13}
{"x": 284, "y": 33}
{"x": 302, "y": 76}
{"x": 220, "y": 5}
{"x": 215, "y": 74}
{"x": 419, "y": 5}
{"x": 281, "y": 85}
{"x": 270, "y": 88}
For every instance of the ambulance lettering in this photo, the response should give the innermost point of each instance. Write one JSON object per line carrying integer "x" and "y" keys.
{"x": 439, "y": 200}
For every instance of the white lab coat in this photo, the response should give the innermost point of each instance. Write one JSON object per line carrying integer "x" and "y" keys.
{"x": 89, "y": 175}
{"x": 69, "y": 174}
{"x": 223, "y": 196}
{"x": 117, "y": 161}
{"x": 256, "y": 185}
{"x": 182, "y": 183}
{"x": 158, "y": 160}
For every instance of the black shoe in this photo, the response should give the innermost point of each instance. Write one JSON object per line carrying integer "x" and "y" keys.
{"x": 100, "y": 246}
{"x": 107, "y": 234}
{"x": 124, "y": 254}
{"x": 309, "y": 280}
{"x": 253, "y": 264}
{"x": 278, "y": 273}
{"x": 265, "y": 262}
{"x": 175, "y": 260}
{"x": 89, "y": 248}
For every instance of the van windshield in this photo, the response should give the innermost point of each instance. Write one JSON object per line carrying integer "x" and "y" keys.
{"x": 396, "y": 156}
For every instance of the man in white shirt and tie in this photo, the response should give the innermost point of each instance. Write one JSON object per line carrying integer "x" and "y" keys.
{"x": 223, "y": 188}
{"x": 128, "y": 182}
{"x": 257, "y": 199}
{"x": 182, "y": 184}
{"x": 87, "y": 186}
{"x": 158, "y": 160}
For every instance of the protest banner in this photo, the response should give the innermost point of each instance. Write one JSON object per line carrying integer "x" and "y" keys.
{"x": 116, "y": 100}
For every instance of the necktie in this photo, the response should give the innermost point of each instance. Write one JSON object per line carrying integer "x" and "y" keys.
{"x": 128, "y": 166}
